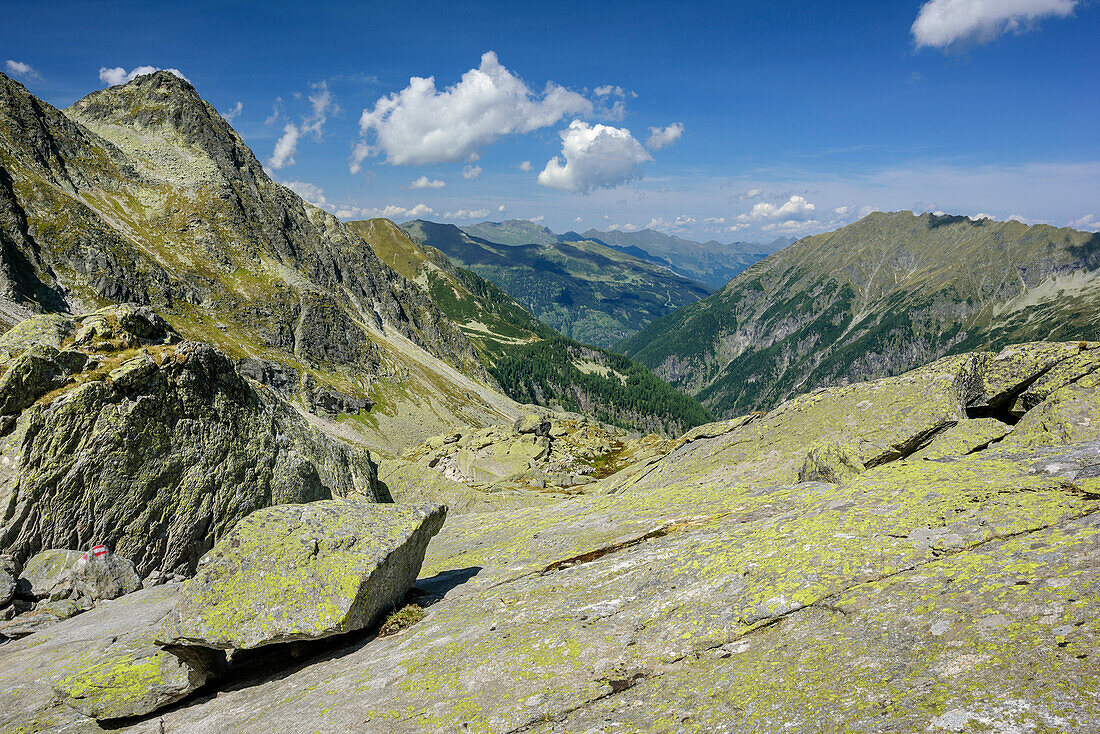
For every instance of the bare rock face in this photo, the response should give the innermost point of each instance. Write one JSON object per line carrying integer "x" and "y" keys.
{"x": 151, "y": 446}
{"x": 830, "y": 462}
{"x": 302, "y": 572}
{"x": 102, "y": 664}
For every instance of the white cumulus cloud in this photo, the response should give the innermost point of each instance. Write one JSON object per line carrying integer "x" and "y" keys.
{"x": 942, "y": 23}
{"x": 471, "y": 172}
{"x": 795, "y": 209}
{"x": 1087, "y": 223}
{"x": 18, "y": 68}
{"x": 525, "y": 166}
{"x": 424, "y": 183}
{"x": 286, "y": 147}
{"x": 595, "y": 157}
{"x": 467, "y": 214}
{"x": 390, "y": 211}
{"x": 117, "y": 75}
{"x": 663, "y": 137}
{"x": 421, "y": 124}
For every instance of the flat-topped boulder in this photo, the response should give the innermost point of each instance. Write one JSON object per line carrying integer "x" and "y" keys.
{"x": 302, "y": 572}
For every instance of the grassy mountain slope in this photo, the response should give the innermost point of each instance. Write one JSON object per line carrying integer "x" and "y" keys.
{"x": 531, "y": 361}
{"x": 585, "y": 290}
{"x": 143, "y": 193}
{"x": 878, "y": 297}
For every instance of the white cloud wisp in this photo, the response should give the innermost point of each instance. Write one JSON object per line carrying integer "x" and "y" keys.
{"x": 942, "y": 23}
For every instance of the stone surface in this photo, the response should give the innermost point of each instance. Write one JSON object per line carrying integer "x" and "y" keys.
{"x": 133, "y": 676}
{"x": 110, "y": 645}
{"x": 830, "y": 462}
{"x": 967, "y": 436}
{"x": 108, "y": 576}
{"x": 7, "y": 586}
{"x": 532, "y": 423}
{"x": 1070, "y": 414}
{"x": 157, "y": 448}
{"x": 301, "y": 572}
{"x": 45, "y": 614}
{"x": 48, "y": 572}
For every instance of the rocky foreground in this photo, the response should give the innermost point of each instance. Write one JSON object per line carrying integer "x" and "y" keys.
{"x": 917, "y": 553}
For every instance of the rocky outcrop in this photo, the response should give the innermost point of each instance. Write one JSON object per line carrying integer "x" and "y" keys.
{"x": 707, "y": 590}
{"x": 546, "y": 450}
{"x": 155, "y": 448}
{"x": 303, "y": 572}
{"x": 231, "y": 257}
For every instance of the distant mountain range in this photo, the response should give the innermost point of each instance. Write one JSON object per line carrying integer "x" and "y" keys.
{"x": 531, "y": 361}
{"x": 711, "y": 263}
{"x": 586, "y": 290}
{"x": 878, "y": 297}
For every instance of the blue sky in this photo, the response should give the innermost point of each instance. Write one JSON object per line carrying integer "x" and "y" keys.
{"x": 730, "y": 120}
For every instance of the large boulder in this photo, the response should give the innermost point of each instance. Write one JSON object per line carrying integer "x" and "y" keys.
{"x": 300, "y": 572}
{"x": 48, "y": 573}
{"x": 154, "y": 447}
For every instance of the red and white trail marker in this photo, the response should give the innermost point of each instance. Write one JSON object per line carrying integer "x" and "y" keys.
{"x": 97, "y": 551}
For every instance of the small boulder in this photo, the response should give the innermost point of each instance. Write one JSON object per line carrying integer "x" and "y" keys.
{"x": 302, "y": 572}
{"x": 47, "y": 573}
{"x": 532, "y": 423}
{"x": 830, "y": 462}
{"x": 7, "y": 586}
{"x": 46, "y": 614}
{"x": 100, "y": 574}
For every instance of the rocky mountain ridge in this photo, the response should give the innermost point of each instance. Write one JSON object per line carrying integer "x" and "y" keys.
{"x": 883, "y": 295}
{"x": 143, "y": 193}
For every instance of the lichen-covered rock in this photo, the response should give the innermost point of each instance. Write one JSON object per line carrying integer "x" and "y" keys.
{"x": 30, "y": 376}
{"x": 532, "y": 423}
{"x": 1070, "y": 414}
{"x": 156, "y": 449}
{"x": 44, "y": 614}
{"x": 7, "y": 587}
{"x": 1014, "y": 367}
{"x": 967, "y": 436}
{"x": 300, "y": 572}
{"x": 109, "y": 646}
{"x": 134, "y": 676}
{"x": 48, "y": 572}
{"x": 1086, "y": 361}
{"x": 104, "y": 576}
{"x": 830, "y": 462}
